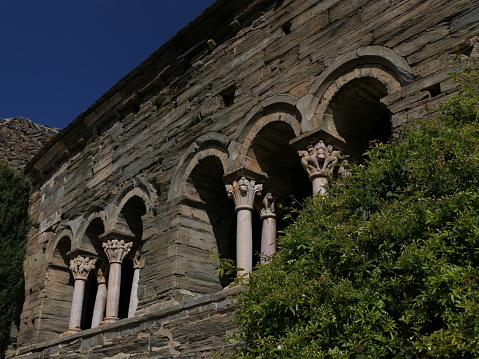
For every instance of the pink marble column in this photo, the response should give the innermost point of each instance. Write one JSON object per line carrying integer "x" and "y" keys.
{"x": 319, "y": 163}
{"x": 268, "y": 234}
{"x": 80, "y": 267}
{"x": 116, "y": 250}
{"x": 100, "y": 301}
{"x": 134, "y": 285}
{"x": 243, "y": 192}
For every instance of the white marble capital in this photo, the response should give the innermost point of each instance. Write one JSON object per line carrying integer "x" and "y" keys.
{"x": 80, "y": 267}
{"x": 243, "y": 192}
{"x": 319, "y": 163}
{"x": 116, "y": 249}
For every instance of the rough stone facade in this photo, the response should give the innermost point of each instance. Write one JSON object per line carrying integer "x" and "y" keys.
{"x": 232, "y": 100}
{"x": 21, "y": 139}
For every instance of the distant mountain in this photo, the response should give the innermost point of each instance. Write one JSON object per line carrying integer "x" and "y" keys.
{"x": 21, "y": 139}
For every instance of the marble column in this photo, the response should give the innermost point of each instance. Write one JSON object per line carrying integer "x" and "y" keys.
{"x": 243, "y": 192}
{"x": 80, "y": 267}
{"x": 268, "y": 233}
{"x": 116, "y": 250}
{"x": 319, "y": 163}
{"x": 100, "y": 301}
{"x": 134, "y": 285}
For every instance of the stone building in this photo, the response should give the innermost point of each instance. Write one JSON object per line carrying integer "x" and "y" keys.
{"x": 130, "y": 201}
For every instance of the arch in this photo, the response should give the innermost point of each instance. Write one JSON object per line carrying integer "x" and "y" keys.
{"x": 138, "y": 187}
{"x": 285, "y": 104}
{"x": 375, "y": 71}
{"x": 245, "y": 135}
{"x": 210, "y": 144}
{"x": 95, "y": 216}
{"x": 379, "y": 55}
{"x": 385, "y": 65}
{"x": 66, "y": 232}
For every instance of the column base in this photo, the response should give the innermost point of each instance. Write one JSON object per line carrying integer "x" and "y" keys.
{"x": 70, "y": 332}
{"x": 108, "y": 320}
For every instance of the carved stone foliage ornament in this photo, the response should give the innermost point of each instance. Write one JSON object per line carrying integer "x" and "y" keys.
{"x": 319, "y": 160}
{"x": 116, "y": 249}
{"x": 267, "y": 206}
{"x": 243, "y": 192}
{"x": 81, "y": 267}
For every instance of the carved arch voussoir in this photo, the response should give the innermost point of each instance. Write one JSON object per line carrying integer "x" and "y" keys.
{"x": 210, "y": 144}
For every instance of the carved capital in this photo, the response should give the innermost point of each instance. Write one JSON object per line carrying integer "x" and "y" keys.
{"x": 320, "y": 160}
{"x": 137, "y": 259}
{"x": 81, "y": 267}
{"x": 243, "y": 192}
{"x": 116, "y": 249}
{"x": 101, "y": 274}
{"x": 344, "y": 170}
{"x": 267, "y": 206}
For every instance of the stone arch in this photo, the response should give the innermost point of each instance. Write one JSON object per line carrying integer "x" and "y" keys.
{"x": 285, "y": 113}
{"x": 66, "y": 232}
{"x": 382, "y": 63}
{"x": 136, "y": 187}
{"x": 210, "y": 144}
{"x": 94, "y": 219}
{"x": 367, "y": 55}
{"x": 345, "y": 100}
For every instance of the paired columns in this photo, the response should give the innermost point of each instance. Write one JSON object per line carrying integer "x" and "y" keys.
{"x": 243, "y": 192}
{"x": 107, "y": 298}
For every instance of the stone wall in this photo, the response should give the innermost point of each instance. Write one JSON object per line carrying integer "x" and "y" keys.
{"x": 235, "y": 94}
{"x": 21, "y": 139}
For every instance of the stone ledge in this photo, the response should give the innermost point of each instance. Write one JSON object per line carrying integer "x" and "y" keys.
{"x": 140, "y": 323}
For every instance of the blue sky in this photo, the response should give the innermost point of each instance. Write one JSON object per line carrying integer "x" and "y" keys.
{"x": 58, "y": 56}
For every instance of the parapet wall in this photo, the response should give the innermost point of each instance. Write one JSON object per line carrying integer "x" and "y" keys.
{"x": 193, "y": 329}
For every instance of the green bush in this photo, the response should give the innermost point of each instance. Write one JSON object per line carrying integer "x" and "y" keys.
{"x": 14, "y": 226}
{"x": 386, "y": 265}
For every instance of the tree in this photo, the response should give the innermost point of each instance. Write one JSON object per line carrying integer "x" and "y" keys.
{"x": 14, "y": 226}
{"x": 387, "y": 264}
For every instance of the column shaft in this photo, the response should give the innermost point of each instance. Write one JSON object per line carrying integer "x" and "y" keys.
{"x": 77, "y": 305}
{"x": 134, "y": 293}
{"x": 319, "y": 184}
{"x": 100, "y": 303}
{"x": 113, "y": 295}
{"x": 244, "y": 242}
{"x": 268, "y": 239}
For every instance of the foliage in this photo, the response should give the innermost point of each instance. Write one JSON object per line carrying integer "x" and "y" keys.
{"x": 387, "y": 264}
{"x": 14, "y": 226}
